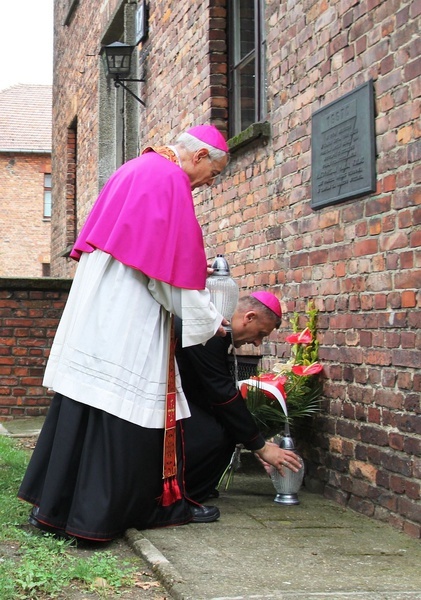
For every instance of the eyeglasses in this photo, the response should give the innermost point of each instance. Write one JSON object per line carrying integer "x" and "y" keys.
{"x": 214, "y": 173}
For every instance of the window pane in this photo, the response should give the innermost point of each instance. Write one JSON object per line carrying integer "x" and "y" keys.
{"x": 247, "y": 84}
{"x": 246, "y": 27}
{"x": 47, "y": 195}
{"x": 47, "y": 203}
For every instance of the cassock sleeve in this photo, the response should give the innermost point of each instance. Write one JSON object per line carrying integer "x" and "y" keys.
{"x": 199, "y": 316}
{"x": 207, "y": 382}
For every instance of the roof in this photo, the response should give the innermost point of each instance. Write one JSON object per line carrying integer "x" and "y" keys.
{"x": 26, "y": 118}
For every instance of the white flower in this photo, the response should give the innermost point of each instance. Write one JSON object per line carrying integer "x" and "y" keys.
{"x": 283, "y": 367}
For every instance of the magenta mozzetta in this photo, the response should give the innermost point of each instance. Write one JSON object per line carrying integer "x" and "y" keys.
{"x": 148, "y": 203}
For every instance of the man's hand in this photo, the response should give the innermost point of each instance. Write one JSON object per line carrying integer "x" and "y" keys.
{"x": 272, "y": 455}
{"x": 221, "y": 331}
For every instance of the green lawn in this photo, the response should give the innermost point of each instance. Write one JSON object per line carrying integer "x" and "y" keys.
{"x": 37, "y": 566}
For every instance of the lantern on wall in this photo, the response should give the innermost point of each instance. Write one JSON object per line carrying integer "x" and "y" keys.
{"x": 117, "y": 59}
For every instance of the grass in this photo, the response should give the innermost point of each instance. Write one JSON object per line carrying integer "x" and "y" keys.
{"x": 35, "y": 566}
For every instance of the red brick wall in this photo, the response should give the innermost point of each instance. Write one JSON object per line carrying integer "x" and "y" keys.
{"x": 359, "y": 260}
{"x": 25, "y": 234}
{"x": 30, "y": 310}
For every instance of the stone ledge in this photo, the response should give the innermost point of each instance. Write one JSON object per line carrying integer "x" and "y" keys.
{"x": 35, "y": 283}
{"x": 256, "y": 131}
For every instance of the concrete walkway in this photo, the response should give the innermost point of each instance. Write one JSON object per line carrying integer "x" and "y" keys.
{"x": 259, "y": 549}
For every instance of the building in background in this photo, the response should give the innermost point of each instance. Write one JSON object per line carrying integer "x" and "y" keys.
{"x": 262, "y": 71}
{"x": 25, "y": 180}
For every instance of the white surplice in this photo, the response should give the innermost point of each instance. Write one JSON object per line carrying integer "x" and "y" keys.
{"x": 111, "y": 347}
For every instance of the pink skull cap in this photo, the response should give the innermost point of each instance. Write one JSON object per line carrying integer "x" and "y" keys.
{"x": 210, "y": 135}
{"x": 270, "y": 301}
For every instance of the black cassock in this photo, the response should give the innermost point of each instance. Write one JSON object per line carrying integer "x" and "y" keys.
{"x": 93, "y": 475}
{"x": 219, "y": 418}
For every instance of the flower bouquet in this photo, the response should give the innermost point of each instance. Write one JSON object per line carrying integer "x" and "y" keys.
{"x": 291, "y": 390}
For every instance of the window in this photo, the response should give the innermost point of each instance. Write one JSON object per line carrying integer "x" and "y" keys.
{"x": 247, "y": 74}
{"x": 47, "y": 195}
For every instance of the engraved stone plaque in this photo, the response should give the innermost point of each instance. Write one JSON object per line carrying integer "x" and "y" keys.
{"x": 343, "y": 148}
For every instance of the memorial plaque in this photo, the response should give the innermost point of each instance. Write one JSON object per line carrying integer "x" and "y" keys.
{"x": 343, "y": 148}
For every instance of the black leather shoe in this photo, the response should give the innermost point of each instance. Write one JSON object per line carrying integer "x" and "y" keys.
{"x": 205, "y": 514}
{"x": 32, "y": 520}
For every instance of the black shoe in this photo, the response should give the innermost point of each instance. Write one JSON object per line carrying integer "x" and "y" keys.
{"x": 205, "y": 514}
{"x": 32, "y": 520}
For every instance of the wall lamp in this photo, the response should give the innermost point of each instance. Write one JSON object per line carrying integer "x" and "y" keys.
{"x": 117, "y": 59}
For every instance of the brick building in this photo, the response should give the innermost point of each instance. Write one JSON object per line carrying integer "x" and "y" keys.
{"x": 261, "y": 71}
{"x": 25, "y": 180}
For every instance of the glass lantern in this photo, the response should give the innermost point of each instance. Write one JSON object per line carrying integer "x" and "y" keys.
{"x": 223, "y": 289}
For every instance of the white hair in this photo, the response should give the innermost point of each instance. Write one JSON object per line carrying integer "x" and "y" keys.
{"x": 192, "y": 144}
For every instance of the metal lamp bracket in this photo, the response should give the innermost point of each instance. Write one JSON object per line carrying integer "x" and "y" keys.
{"x": 118, "y": 83}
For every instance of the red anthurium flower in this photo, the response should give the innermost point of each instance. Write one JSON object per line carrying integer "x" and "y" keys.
{"x": 303, "y": 337}
{"x": 305, "y": 370}
{"x": 272, "y": 378}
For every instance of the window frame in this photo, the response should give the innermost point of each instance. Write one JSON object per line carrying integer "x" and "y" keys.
{"x": 236, "y": 63}
{"x": 48, "y": 199}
